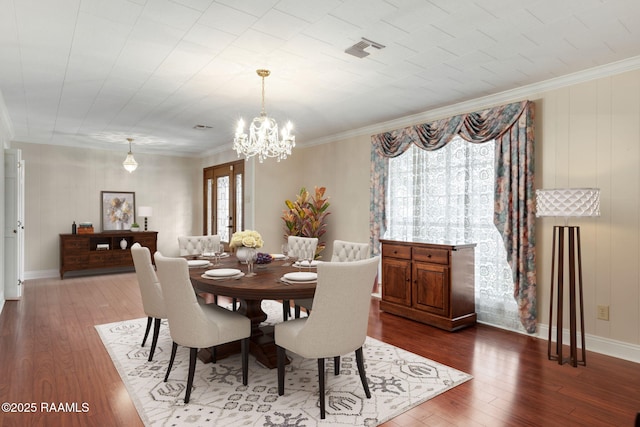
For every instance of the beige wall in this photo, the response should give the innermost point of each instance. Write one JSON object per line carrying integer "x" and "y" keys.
{"x": 587, "y": 134}
{"x": 63, "y": 185}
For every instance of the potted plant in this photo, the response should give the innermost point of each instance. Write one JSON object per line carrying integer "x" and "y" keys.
{"x": 135, "y": 227}
{"x": 306, "y": 216}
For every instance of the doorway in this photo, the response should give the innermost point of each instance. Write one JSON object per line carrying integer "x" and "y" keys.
{"x": 223, "y": 199}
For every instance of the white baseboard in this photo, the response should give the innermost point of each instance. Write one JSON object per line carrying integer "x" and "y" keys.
{"x": 41, "y": 274}
{"x": 609, "y": 347}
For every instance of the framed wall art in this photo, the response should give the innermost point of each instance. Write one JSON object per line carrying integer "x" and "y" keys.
{"x": 118, "y": 210}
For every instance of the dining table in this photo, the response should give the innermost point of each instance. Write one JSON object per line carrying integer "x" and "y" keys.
{"x": 250, "y": 290}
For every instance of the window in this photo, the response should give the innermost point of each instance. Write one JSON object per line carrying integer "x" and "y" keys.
{"x": 447, "y": 195}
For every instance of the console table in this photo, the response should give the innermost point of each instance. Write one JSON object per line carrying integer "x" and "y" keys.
{"x": 430, "y": 283}
{"x": 101, "y": 250}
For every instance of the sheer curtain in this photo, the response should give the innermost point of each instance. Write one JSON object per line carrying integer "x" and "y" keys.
{"x": 447, "y": 195}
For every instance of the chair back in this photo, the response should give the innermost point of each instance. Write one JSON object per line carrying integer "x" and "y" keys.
{"x": 196, "y": 245}
{"x": 339, "y": 316}
{"x": 349, "y": 251}
{"x": 184, "y": 313}
{"x": 298, "y": 244}
{"x": 150, "y": 290}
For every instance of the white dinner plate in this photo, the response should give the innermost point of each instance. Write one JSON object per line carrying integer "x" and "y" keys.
{"x": 222, "y": 272}
{"x": 301, "y": 276}
{"x": 197, "y": 262}
{"x": 235, "y": 276}
{"x": 305, "y": 263}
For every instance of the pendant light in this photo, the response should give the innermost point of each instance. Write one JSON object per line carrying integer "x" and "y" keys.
{"x": 130, "y": 163}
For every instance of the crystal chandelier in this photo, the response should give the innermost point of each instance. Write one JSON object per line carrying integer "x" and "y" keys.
{"x": 263, "y": 135}
{"x": 130, "y": 163}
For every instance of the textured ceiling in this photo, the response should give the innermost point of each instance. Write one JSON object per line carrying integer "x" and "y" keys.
{"x": 94, "y": 72}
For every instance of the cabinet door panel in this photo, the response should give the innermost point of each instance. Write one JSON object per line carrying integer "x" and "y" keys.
{"x": 396, "y": 281}
{"x": 431, "y": 288}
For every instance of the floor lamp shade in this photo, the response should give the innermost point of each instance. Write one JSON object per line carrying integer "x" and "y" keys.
{"x": 145, "y": 212}
{"x": 567, "y": 202}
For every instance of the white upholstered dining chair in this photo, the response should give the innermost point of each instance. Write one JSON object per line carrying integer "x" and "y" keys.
{"x": 337, "y": 325}
{"x": 297, "y": 246}
{"x": 343, "y": 251}
{"x": 194, "y": 325}
{"x": 150, "y": 291}
{"x": 196, "y": 245}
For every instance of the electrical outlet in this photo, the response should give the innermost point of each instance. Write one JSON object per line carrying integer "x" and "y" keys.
{"x": 603, "y": 312}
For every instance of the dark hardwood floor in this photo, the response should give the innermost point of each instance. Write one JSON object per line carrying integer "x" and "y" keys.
{"x": 50, "y": 354}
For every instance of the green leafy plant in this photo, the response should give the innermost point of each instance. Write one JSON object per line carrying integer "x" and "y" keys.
{"x": 134, "y": 225}
{"x": 306, "y": 216}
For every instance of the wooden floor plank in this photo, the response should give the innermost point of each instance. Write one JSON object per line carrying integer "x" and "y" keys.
{"x": 50, "y": 352}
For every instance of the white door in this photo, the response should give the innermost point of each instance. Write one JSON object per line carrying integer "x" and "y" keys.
{"x": 14, "y": 224}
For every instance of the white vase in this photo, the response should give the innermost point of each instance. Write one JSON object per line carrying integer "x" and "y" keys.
{"x": 243, "y": 253}
{"x": 123, "y": 243}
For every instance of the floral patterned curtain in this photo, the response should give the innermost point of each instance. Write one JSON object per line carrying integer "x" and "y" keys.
{"x": 511, "y": 126}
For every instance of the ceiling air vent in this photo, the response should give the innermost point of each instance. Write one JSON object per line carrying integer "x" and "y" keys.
{"x": 358, "y": 49}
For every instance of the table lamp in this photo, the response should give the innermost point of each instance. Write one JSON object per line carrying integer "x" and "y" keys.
{"x": 566, "y": 203}
{"x": 145, "y": 211}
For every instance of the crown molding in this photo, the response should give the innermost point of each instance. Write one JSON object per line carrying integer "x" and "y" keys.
{"x": 477, "y": 104}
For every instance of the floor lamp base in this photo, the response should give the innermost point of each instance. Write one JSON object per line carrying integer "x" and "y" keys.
{"x": 575, "y": 290}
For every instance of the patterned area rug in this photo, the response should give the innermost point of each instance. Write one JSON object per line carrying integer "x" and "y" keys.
{"x": 398, "y": 381}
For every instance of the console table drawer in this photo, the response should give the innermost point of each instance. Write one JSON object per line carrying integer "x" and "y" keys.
{"x": 438, "y": 256}
{"x": 396, "y": 251}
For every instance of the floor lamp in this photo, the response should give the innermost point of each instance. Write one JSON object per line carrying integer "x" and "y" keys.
{"x": 567, "y": 202}
{"x": 145, "y": 211}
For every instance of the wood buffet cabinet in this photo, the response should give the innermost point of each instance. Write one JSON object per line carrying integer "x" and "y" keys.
{"x": 430, "y": 283}
{"x": 80, "y": 251}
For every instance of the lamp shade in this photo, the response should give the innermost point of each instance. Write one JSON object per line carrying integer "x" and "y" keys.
{"x": 568, "y": 202}
{"x": 145, "y": 211}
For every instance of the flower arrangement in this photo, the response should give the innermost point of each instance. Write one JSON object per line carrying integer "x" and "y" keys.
{"x": 246, "y": 238}
{"x": 306, "y": 216}
{"x": 119, "y": 210}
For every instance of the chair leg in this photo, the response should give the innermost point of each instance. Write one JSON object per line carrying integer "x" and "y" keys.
{"x": 282, "y": 355}
{"x": 173, "y": 356}
{"x": 297, "y": 311}
{"x": 321, "y": 386}
{"x": 193, "y": 356}
{"x": 215, "y": 299}
{"x": 154, "y": 341}
{"x": 363, "y": 375}
{"x": 234, "y": 304}
{"x": 146, "y": 333}
{"x": 244, "y": 345}
{"x": 286, "y": 306}
{"x": 336, "y": 365}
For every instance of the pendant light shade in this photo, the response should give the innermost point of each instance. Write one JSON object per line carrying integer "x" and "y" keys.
{"x": 130, "y": 163}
